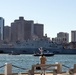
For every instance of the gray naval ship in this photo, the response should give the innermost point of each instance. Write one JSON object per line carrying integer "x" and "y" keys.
{"x": 32, "y": 46}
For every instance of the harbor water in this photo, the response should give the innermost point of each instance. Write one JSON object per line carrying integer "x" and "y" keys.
{"x": 24, "y": 62}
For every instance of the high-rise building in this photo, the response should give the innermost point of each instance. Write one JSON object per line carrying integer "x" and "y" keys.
{"x": 7, "y": 33}
{"x": 28, "y": 29}
{"x": 1, "y": 28}
{"x": 21, "y": 29}
{"x": 38, "y": 30}
{"x": 61, "y": 38}
{"x": 73, "y": 36}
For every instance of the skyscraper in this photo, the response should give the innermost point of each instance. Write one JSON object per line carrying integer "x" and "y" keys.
{"x": 21, "y": 29}
{"x": 73, "y": 36}
{"x": 7, "y": 33}
{"x": 1, "y": 28}
{"x": 39, "y": 30}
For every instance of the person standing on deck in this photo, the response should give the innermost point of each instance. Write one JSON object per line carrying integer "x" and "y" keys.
{"x": 42, "y": 61}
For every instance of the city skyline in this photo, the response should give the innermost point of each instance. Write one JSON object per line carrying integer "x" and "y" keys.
{"x": 40, "y": 24}
{"x": 56, "y": 15}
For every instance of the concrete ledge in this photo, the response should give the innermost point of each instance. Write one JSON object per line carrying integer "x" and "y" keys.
{"x": 23, "y": 73}
{"x": 38, "y": 73}
{"x": 47, "y": 73}
{"x": 12, "y": 74}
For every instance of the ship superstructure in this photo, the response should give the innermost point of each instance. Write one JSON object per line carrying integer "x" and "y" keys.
{"x": 31, "y": 46}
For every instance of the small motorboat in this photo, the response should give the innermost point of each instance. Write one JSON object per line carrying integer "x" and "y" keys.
{"x": 44, "y": 53}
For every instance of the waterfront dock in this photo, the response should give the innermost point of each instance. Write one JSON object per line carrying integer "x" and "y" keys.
{"x": 48, "y": 73}
{"x": 45, "y": 69}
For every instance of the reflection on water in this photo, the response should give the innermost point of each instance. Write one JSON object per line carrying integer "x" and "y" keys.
{"x": 26, "y": 61}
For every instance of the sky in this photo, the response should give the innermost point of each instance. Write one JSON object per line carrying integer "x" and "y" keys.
{"x": 56, "y": 15}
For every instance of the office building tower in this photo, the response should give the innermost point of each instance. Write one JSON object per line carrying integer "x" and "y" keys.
{"x": 28, "y": 29}
{"x": 21, "y": 29}
{"x": 7, "y": 33}
{"x": 73, "y": 36}
{"x": 38, "y": 30}
{"x": 1, "y": 28}
{"x": 62, "y": 37}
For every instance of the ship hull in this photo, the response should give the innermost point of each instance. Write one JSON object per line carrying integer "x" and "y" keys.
{"x": 32, "y": 50}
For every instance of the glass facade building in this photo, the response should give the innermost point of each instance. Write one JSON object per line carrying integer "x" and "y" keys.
{"x": 1, "y": 28}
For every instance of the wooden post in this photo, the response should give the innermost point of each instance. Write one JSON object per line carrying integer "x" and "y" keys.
{"x": 59, "y": 67}
{"x": 8, "y": 69}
